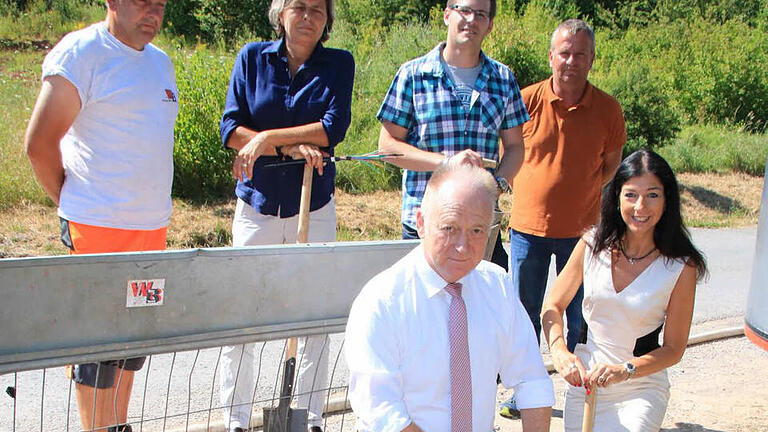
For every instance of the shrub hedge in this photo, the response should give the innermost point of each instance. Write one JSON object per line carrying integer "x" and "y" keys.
{"x": 672, "y": 66}
{"x": 717, "y": 148}
{"x": 202, "y": 167}
{"x": 666, "y": 75}
{"x": 221, "y": 21}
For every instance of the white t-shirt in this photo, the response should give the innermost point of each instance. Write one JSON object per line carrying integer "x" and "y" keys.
{"x": 118, "y": 154}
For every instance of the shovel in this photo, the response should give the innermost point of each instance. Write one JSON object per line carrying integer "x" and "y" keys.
{"x": 589, "y": 411}
{"x": 284, "y": 418}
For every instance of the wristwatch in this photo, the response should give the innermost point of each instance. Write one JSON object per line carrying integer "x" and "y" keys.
{"x": 630, "y": 368}
{"x": 502, "y": 184}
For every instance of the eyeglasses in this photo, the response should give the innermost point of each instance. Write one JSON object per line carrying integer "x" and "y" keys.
{"x": 302, "y": 10}
{"x": 469, "y": 14}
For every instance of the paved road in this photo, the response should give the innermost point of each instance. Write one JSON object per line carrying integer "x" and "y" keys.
{"x": 729, "y": 253}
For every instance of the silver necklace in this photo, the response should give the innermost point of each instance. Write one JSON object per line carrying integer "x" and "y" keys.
{"x": 633, "y": 260}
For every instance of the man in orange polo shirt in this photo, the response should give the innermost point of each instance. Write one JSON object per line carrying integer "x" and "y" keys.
{"x": 573, "y": 145}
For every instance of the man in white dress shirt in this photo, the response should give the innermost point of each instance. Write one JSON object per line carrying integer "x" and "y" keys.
{"x": 442, "y": 316}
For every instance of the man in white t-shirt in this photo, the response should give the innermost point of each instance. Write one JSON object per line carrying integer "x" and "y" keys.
{"x": 101, "y": 144}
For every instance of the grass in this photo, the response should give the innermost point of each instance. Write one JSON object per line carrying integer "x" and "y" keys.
{"x": 710, "y": 200}
{"x": 25, "y": 38}
{"x": 731, "y": 158}
{"x": 717, "y": 148}
{"x": 39, "y": 24}
{"x": 19, "y": 83}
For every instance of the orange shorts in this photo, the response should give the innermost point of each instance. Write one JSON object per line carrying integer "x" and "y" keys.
{"x": 87, "y": 239}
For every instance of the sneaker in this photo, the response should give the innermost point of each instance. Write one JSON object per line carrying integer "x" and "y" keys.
{"x": 508, "y": 409}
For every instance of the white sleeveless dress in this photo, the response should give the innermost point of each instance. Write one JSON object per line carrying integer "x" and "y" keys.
{"x": 615, "y": 322}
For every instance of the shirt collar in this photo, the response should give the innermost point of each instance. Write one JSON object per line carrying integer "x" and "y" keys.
{"x": 586, "y": 98}
{"x": 432, "y": 64}
{"x": 275, "y": 48}
{"x": 433, "y": 283}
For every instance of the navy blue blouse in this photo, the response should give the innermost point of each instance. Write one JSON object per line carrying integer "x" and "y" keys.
{"x": 262, "y": 96}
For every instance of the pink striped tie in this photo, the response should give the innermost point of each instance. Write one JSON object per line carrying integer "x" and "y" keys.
{"x": 461, "y": 375}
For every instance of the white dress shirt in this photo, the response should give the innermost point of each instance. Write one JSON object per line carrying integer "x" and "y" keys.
{"x": 397, "y": 348}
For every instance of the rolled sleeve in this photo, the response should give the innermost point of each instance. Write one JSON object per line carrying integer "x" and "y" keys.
{"x": 524, "y": 368}
{"x": 535, "y": 393}
{"x": 65, "y": 60}
{"x": 397, "y": 107}
{"x": 336, "y": 120}
{"x": 375, "y": 381}
{"x": 236, "y": 101}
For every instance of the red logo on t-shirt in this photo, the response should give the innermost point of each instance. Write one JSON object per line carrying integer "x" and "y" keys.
{"x": 169, "y": 96}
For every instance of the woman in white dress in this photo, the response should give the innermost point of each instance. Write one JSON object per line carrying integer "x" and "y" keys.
{"x": 639, "y": 270}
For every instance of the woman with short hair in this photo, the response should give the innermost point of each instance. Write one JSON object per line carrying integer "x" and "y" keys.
{"x": 288, "y": 98}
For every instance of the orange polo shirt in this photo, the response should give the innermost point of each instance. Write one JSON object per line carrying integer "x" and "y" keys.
{"x": 557, "y": 190}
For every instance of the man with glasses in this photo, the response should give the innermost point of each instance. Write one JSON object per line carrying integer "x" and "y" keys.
{"x": 454, "y": 102}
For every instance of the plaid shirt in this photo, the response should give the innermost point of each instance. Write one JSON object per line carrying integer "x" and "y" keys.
{"x": 422, "y": 100}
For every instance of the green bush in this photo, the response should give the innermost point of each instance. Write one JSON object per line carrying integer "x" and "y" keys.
{"x": 384, "y": 13}
{"x": 18, "y": 89}
{"x": 720, "y": 73}
{"x": 717, "y": 148}
{"x": 649, "y": 118}
{"x": 522, "y": 42}
{"x": 40, "y": 21}
{"x": 202, "y": 167}
{"x": 672, "y": 66}
{"x": 668, "y": 75}
{"x": 224, "y": 21}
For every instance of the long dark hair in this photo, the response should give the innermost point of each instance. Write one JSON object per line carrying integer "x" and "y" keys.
{"x": 670, "y": 235}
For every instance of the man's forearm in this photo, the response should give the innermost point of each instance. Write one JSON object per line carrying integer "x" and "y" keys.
{"x": 611, "y": 162}
{"x": 412, "y": 428}
{"x": 412, "y": 158}
{"x": 512, "y": 150}
{"x": 536, "y": 419}
{"x": 55, "y": 110}
{"x": 49, "y": 172}
{"x": 510, "y": 163}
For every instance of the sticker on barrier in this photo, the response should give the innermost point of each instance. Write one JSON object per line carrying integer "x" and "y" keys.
{"x": 142, "y": 293}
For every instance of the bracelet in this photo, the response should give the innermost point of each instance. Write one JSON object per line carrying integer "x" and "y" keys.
{"x": 279, "y": 151}
{"x": 551, "y": 344}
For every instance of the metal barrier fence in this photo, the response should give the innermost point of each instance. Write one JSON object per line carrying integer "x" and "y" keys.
{"x": 179, "y": 307}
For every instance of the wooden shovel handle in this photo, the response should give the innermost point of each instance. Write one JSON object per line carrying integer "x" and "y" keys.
{"x": 589, "y": 410}
{"x": 291, "y": 347}
{"x": 306, "y": 193}
{"x": 301, "y": 237}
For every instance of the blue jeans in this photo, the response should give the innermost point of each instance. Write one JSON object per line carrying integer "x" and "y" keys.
{"x": 529, "y": 260}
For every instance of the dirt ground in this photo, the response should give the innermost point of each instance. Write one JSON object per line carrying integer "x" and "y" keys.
{"x": 709, "y": 200}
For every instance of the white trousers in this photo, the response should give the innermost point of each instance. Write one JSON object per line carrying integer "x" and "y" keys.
{"x": 236, "y": 372}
